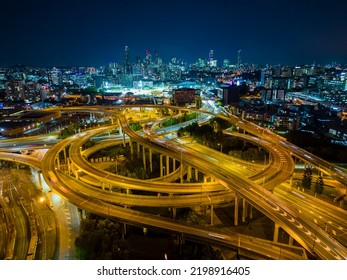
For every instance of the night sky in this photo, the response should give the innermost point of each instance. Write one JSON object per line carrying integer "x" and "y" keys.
{"x": 94, "y": 32}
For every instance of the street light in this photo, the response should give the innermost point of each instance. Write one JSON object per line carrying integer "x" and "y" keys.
{"x": 41, "y": 199}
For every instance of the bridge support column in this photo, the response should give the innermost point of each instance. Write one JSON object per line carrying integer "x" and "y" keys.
{"x": 161, "y": 165}
{"x": 244, "y": 210}
{"x": 124, "y": 231}
{"x": 58, "y": 161}
{"x": 124, "y": 227}
{"x": 189, "y": 173}
{"x": 150, "y": 160}
{"x": 65, "y": 158}
{"x": 73, "y": 169}
{"x": 68, "y": 166}
{"x": 173, "y": 164}
{"x": 138, "y": 150}
{"x": 131, "y": 144}
{"x": 76, "y": 174}
{"x": 236, "y": 211}
{"x": 250, "y": 212}
{"x": 196, "y": 174}
{"x": 174, "y": 213}
{"x": 40, "y": 180}
{"x": 49, "y": 194}
{"x": 167, "y": 165}
{"x": 291, "y": 240}
{"x": 144, "y": 157}
{"x": 181, "y": 166}
{"x": 276, "y": 230}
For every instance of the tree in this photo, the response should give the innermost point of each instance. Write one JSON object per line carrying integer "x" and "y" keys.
{"x": 307, "y": 179}
{"x": 319, "y": 185}
{"x": 100, "y": 239}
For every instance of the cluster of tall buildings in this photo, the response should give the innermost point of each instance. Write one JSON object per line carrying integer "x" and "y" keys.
{"x": 270, "y": 94}
{"x": 33, "y": 83}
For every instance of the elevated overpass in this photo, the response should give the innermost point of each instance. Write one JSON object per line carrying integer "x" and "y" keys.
{"x": 278, "y": 211}
{"x": 284, "y": 215}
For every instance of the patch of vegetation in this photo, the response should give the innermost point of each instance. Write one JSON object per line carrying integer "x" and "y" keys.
{"x": 211, "y": 135}
{"x": 100, "y": 239}
{"x": 184, "y": 118}
{"x": 135, "y": 126}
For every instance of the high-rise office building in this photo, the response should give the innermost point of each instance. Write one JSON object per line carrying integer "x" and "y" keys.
{"x": 211, "y": 61}
{"x": 210, "y": 55}
{"x": 238, "y": 64}
{"x": 127, "y": 62}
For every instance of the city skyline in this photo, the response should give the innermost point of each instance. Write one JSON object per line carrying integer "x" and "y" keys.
{"x": 67, "y": 33}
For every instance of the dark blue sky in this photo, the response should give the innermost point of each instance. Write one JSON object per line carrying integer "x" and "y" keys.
{"x": 89, "y": 32}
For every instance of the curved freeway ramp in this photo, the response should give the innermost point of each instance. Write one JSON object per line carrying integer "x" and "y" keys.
{"x": 306, "y": 233}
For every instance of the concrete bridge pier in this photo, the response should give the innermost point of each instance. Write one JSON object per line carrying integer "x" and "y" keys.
{"x": 167, "y": 170}
{"x": 250, "y": 212}
{"x": 131, "y": 144}
{"x": 39, "y": 173}
{"x": 181, "y": 166}
{"x": 68, "y": 166}
{"x": 144, "y": 157}
{"x": 236, "y": 211}
{"x": 161, "y": 165}
{"x": 276, "y": 231}
{"x": 244, "y": 210}
{"x": 65, "y": 157}
{"x": 138, "y": 149}
{"x": 150, "y": 160}
{"x": 58, "y": 161}
{"x": 174, "y": 164}
{"x": 174, "y": 213}
{"x": 291, "y": 240}
{"x": 189, "y": 173}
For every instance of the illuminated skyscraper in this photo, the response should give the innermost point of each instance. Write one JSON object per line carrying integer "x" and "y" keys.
{"x": 127, "y": 63}
{"x": 210, "y": 55}
{"x": 126, "y": 78}
{"x": 238, "y": 59}
{"x": 211, "y": 61}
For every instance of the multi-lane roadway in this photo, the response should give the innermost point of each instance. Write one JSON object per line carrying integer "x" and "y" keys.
{"x": 230, "y": 181}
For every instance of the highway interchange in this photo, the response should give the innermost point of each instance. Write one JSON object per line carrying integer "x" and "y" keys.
{"x": 263, "y": 187}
